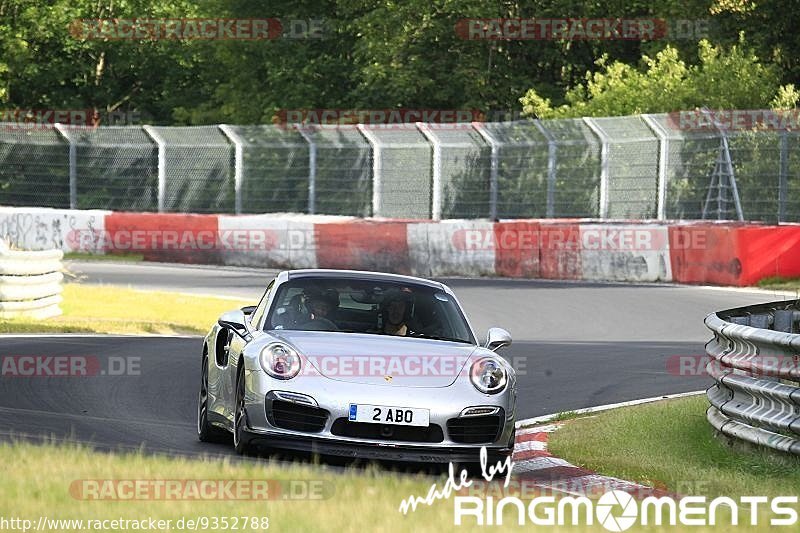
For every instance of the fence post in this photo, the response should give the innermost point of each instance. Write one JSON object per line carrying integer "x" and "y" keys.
{"x": 73, "y": 165}
{"x": 663, "y": 154}
{"x": 603, "y": 164}
{"x": 377, "y": 168}
{"x": 436, "y": 175}
{"x": 312, "y": 168}
{"x": 162, "y": 165}
{"x": 494, "y": 167}
{"x": 551, "y": 168}
{"x": 783, "y": 176}
{"x": 238, "y": 165}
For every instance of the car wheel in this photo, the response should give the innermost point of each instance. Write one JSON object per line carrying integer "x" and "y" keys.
{"x": 240, "y": 440}
{"x": 205, "y": 431}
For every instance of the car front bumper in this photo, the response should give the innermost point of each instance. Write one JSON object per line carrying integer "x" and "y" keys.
{"x": 444, "y": 404}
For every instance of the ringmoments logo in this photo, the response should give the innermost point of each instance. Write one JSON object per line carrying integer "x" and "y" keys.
{"x": 619, "y": 511}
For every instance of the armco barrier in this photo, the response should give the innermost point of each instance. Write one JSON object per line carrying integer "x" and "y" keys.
{"x": 755, "y": 362}
{"x": 30, "y": 283}
{"x": 567, "y": 249}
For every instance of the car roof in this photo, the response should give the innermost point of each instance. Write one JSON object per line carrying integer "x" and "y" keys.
{"x": 359, "y": 274}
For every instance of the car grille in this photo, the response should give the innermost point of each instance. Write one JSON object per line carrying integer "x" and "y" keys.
{"x": 475, "y": 429}
{"x": 383, "y": 432}
{"x": 297, "y": 417}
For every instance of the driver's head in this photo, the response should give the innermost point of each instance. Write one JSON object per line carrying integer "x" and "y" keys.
{"x": 319, "y": 307}
{"x": 321, "y": 303}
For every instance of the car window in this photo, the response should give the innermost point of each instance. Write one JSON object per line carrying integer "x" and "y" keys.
{"x": 367, "y": 306}
{"x": 262, "y": 305}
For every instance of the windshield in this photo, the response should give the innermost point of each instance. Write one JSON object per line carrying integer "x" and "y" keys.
{"x": 364, "y": 306}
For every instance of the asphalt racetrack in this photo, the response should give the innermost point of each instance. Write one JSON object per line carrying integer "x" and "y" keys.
{"x": 575, "y": 345}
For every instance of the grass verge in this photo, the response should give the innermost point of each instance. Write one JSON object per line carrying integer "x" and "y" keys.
{"x": 353, "y": 500}
{"x": 106, "y": 309}
{"x": 778, "y": 283}
{"x": 83, "y": 256}
{"x": 670, "y": 444}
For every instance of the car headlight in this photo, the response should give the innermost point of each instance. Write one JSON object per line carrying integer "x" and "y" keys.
{"x": 280, "y": 361}
{"x": 488, "y": 375}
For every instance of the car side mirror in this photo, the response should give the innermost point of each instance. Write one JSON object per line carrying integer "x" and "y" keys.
{"x": 496, "y": 338}
{"x": 236, "y": 322}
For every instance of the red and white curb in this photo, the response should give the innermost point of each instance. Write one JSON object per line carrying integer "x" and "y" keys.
{"x": 536, "y": 467}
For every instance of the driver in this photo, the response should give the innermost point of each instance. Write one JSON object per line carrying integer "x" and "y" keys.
{"x": 320, "y": 305}
{"x": 396, "y": 312}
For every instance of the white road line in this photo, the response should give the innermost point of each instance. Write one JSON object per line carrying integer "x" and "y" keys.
{"x": 529, "y": 422}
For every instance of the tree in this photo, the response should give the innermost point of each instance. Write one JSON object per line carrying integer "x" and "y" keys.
{"x": 724, "y": 78}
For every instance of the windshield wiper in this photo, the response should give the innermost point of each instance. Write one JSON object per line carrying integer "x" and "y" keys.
{"x": 439, "y": 338}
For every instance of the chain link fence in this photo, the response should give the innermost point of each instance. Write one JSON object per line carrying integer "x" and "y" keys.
{"x": 635, "y": 167}
{"x": 35, "y": 167}
{"x": 115, "y": 168}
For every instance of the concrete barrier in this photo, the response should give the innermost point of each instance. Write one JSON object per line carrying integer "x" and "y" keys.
{"x": 39, "y": 228}
{"x": 445, "y": 248}
{"x": 635, "y": 251}
{"x": 625, "y": 252}
{"x": 266, "y": 241}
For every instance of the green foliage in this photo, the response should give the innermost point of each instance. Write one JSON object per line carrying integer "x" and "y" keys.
{"x": 391, "y": 55}
{"x": 732, "y": 78}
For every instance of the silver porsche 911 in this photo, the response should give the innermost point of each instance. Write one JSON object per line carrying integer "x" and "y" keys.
{"x": 358, "y": 364}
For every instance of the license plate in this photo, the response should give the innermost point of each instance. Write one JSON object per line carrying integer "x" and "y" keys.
{"x": 384, "y": 414}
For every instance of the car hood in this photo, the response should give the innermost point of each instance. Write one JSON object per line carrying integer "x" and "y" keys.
{"x": 379, "y": 359}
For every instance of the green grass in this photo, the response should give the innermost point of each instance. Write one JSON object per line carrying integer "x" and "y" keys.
{"x": 670, "y": 444}
{"x": 354, "y": 500}
{"x": 780, "y": 283}
{"x": 83, "y": 256}
{"x": 106, "y": 309}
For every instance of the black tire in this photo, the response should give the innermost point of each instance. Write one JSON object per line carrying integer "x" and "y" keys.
{"x": 205, "y": 431}
{"x": 241, "y": 441}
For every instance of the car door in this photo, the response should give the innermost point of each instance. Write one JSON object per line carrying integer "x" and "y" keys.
{"x": 235, "y": 348}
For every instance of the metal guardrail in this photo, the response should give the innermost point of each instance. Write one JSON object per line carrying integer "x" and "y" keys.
{"x": 755, "y": 362}
{"x": 30, "y": 283}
